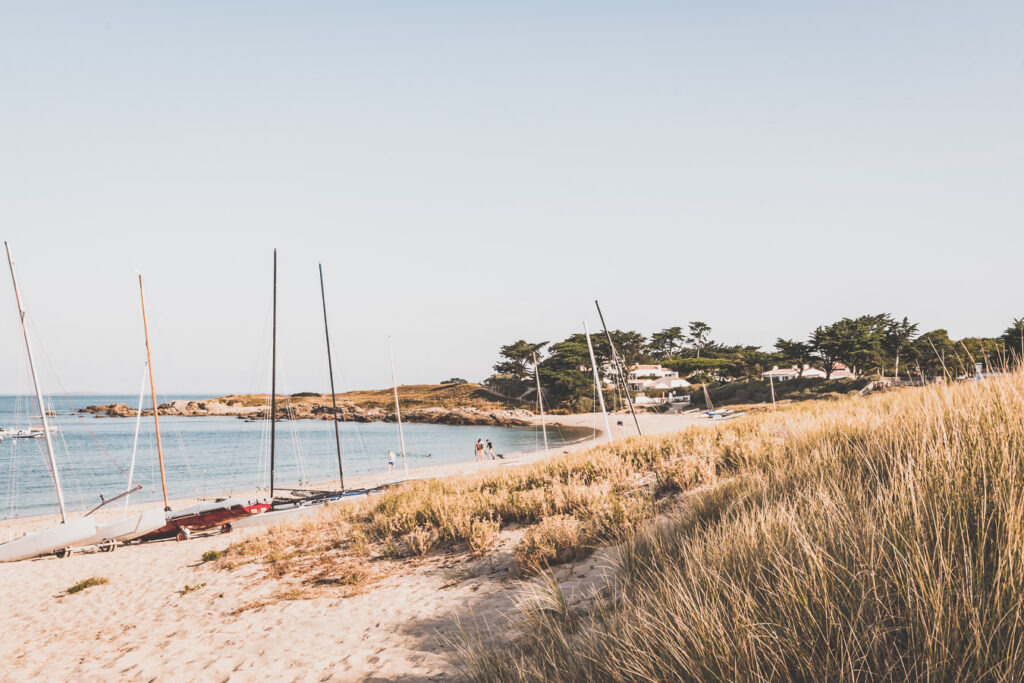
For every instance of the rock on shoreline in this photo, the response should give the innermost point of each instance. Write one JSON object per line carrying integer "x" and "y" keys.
{"x": 347, "y": 412}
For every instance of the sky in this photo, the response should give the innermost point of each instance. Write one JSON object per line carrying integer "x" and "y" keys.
{"x": 470, "y": 174}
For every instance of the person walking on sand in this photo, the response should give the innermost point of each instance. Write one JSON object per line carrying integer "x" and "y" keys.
{"x": 391, "y": 460}
{"x": 479, "y": 450}
{"x": 490, "y": 449}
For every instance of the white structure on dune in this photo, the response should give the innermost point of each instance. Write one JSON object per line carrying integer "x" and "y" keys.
{"x": 644, "y": 378}
{"x": 839, "y": 371}
{"x": 654, "y": 377}
{"x": 650, "y": 372}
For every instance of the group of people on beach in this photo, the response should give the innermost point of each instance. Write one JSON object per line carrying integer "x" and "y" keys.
{"x": 484, "y": 451}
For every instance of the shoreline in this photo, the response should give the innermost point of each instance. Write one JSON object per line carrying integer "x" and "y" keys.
{"x": 650, "y": 423}
{"x": 159, "y": 610}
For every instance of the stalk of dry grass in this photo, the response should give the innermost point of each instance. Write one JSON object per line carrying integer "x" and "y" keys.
{"x": 878, "y": 538}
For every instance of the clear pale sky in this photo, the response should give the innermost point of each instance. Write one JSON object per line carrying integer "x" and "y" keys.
{"x": 473, "y": 173}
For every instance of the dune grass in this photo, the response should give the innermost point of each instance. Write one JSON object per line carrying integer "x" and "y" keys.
{"x": 570, "y": 505}
{"x": 862, "y": 539}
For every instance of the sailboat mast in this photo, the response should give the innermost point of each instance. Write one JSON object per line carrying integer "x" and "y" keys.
{"x": 273, "y": 381}
{"x": 597, "y": 383}
{"x": 152, "y": 389}
{"x": 618, "y": 368}
{"x": 707, "y": 397}
{"x": 330, "y": 372}
{"x": 398, "y": 410}
{"x": 135, "y": 441}
{"x": 540, "y": 402}
{"x": 39, "y": 394}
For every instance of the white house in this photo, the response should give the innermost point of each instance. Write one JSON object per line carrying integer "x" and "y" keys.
{"x": 778, "y": 374}
{"x": 650, "y": 372}
{"x": 664, "y": 383}
{"x": 839, "y": 371}
{"x": 785, "y": 374}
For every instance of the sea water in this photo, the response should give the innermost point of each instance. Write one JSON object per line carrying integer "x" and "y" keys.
{"x": 216, "y": 456}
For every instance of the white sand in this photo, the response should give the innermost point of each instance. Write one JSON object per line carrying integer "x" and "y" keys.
{"x": 140, "y": 627}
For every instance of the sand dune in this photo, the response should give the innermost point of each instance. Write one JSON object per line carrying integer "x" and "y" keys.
{"x": 144, "y": 624}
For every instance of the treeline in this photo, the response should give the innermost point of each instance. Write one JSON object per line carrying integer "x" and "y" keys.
{"x": 867, "y": 345}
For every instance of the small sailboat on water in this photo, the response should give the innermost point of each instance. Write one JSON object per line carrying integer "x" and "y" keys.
{"x": 68, "y": 532}
{"x": 398, "y": 413}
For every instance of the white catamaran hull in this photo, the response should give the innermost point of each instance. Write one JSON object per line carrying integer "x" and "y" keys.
{"x": 46, "y": 541}
{"x": 132, "y": 526}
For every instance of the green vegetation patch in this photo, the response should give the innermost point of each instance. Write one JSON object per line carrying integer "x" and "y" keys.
{"x": 88, "y": 583}
{"x": 213, "y": 555}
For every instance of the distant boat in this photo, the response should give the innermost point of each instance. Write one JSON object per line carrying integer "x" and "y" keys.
{"x": 30, "y": 433}
{"x": 398, "y": 412}
{"x": 67, "y": 533}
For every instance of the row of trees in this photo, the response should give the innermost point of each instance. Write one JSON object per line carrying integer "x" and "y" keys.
{"x": 869, "y": 344}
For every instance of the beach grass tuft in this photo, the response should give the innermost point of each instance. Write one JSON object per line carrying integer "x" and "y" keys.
{"x": 213, "y": 555}
{"x": 88, "y": 583}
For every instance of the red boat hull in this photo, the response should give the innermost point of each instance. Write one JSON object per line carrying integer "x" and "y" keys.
{"x": 201, "y": 519}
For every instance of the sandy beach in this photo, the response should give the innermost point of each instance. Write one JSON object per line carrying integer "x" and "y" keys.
{"x": 165, "y": 615}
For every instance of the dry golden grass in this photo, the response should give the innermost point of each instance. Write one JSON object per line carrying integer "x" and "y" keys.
{"x": 607, "y": 492}
{"x": 861, "y": 539}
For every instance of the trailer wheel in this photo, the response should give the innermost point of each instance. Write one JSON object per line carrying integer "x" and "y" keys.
{"x": 63, "y": 552}
{"x": 182, "y": 536}
{"x": 226, "y": 529}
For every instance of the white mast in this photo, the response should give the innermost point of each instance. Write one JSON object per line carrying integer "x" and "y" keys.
{"x": 540, "y": 403}
{"x": 39, "y": 394}
{"x": 597, "y": 383}
{"x": 135, "y": 441}
{"x": 398, "y": 411}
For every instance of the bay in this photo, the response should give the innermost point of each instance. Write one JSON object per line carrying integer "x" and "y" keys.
{"x": 215, "y": 456}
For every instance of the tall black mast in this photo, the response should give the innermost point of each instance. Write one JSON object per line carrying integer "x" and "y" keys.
{"x": 273, "y": 381}
{"x": 330, "y": 372}
{"x": 618, "y": 368}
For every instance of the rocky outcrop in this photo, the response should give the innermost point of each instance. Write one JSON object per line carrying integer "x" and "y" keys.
{"x": 346, "y": 412}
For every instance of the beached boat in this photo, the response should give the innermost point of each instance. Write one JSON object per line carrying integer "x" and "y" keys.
{"x": 204, "y": 516}
{"x": 620, "y": 369}
{"x": 300, "y": 497}
{"x": 130, "y": 527}
{"x": 47, "y": 541}
{"x": 67, "y": 533}
{"x": 200, "y": 517}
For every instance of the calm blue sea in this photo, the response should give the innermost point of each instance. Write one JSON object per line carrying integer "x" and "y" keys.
{"x": 208, "y": 456}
